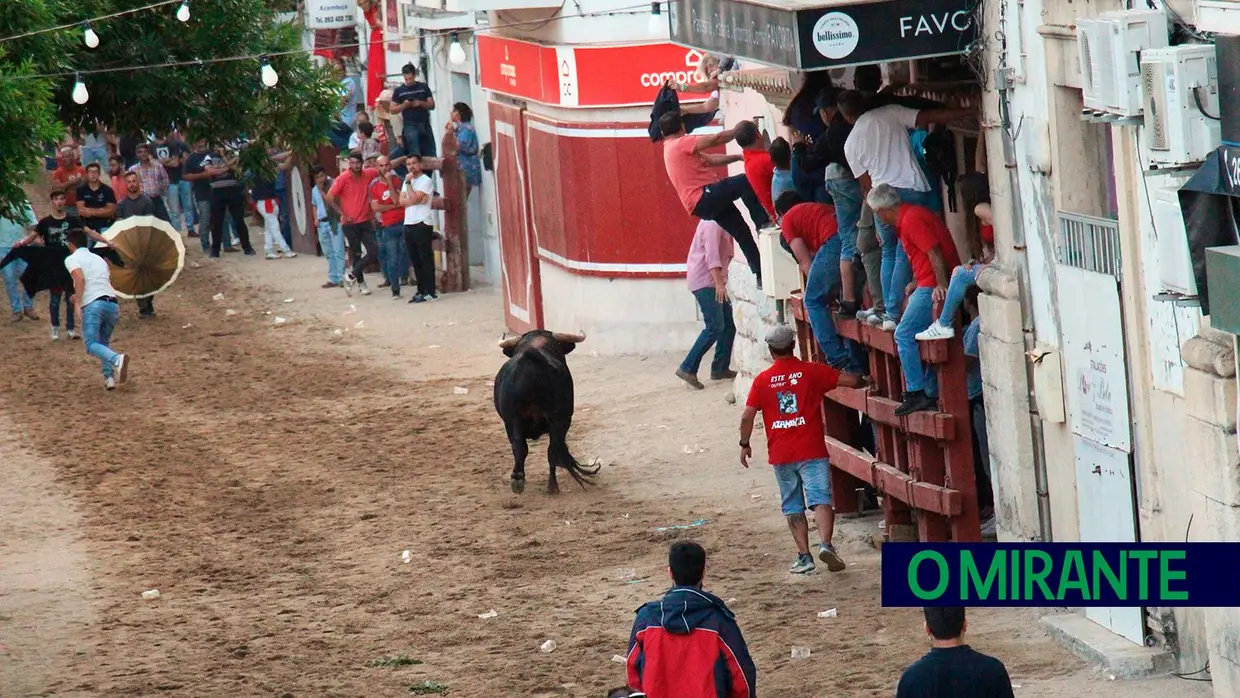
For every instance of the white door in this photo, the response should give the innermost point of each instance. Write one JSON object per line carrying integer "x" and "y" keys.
{"x": 1097, "y": 388}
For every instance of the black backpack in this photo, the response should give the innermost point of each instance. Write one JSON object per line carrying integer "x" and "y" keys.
{"x": 939, "y": 151}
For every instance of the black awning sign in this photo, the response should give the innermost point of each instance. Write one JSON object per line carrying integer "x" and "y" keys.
{"x": 853, "y": 34}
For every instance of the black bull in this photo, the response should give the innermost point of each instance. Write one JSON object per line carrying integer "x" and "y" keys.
{"x": 534, "y": 396}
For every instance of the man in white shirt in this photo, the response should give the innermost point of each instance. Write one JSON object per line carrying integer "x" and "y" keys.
{"x": 879, "y": 151}
{"x": 97, "y": 309}
{"x": 416, "y": 196}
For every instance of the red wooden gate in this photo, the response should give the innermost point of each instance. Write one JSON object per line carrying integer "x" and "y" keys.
{"x": 924, "y": 465}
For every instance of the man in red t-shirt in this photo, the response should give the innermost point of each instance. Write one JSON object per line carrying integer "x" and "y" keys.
{"x": 704, "y": 193}
{"x": 789, "y": 395}
{"x": 759, "y": 170}
{"x": 932, "y": 255}
{"x": 350, "y": 195}
{"x": 385, "y": 202}
{"x": 67, "y": 176}
{"x": 811, "y": 231}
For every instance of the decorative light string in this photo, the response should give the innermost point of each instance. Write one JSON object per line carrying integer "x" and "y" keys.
{"x": 182, "y": 14}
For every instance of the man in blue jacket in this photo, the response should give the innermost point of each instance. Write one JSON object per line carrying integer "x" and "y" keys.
{"x": 687, "y": 644}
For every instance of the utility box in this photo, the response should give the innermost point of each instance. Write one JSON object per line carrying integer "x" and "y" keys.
{"x": 781, "y": 277}
{"x": 1223, "y": 284}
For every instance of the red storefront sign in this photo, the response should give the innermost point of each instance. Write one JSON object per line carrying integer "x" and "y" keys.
{"x": 582, "y": 76}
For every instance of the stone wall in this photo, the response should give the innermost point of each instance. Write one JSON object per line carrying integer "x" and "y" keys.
{"x": 754, "y": 313}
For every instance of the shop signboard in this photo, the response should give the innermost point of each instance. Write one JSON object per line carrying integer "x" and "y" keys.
{"x": 829, "y": 36}
{"x": 330, "y": 14}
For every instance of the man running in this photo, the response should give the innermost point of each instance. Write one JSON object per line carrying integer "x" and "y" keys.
{"x": 97, "y": 310}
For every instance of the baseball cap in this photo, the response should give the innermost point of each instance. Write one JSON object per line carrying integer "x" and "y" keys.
{"x": 781, "y": 337}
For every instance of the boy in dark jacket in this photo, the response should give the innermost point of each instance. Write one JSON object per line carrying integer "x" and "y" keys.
{"x": 687, "y": 644}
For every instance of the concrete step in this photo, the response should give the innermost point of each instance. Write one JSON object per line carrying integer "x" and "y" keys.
{"x": 1104, "y": 649}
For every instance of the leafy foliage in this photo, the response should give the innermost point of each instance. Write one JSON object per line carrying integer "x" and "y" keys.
{"x": 217, "y": 101}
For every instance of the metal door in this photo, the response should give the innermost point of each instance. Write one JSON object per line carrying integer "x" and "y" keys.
{"x": 1097, "y": 387}
{"x": 519, "y": 273}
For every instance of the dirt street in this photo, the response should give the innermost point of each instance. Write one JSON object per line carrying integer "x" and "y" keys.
{"x": 266, "y": 477}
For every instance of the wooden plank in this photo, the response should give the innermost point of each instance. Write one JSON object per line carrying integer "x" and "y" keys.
{"x": 935, "y": 425}
{"x": 893, "y": 483}
{"x": 852, "y": 461}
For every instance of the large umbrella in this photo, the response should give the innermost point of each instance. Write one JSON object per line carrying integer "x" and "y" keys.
{"x": 153, "y": 252}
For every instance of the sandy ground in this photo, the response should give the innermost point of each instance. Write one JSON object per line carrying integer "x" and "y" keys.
{"x": 266, "y": 476}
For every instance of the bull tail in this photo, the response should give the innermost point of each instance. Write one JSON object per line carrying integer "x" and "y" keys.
{"x": 583, "y": 474}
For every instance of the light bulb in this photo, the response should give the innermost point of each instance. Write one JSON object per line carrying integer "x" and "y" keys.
{"x": 270, "y": 77}
{"x": 456, "y": 52}
{"x": 183, "y": 12}
{"x": 656, "y": 19}
{"x": 92, "y": 39}
{"x": 80, "y": 95}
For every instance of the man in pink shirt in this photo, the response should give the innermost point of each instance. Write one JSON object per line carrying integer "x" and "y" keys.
{"x": 709, "y": 256}
{"x": 704, "y": 193}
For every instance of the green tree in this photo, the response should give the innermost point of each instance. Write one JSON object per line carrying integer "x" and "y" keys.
{"x": 217, "y": 101}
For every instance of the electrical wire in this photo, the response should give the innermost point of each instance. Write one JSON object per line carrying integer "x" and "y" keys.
{"x": 1201, "y": 108}
{"x": 197, "y": 62}
{"x": 92, "y": 20}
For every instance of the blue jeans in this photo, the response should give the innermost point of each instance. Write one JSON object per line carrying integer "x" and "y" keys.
{"x": 962, "y": 278}
{"x": 847, "y": 196}
{"x": 896, "y": 272}
{"x": 18, "y": 300}
{"x": 180, "y": 200}
{"x": 331, "y": 239}
{"x": 97, "y": 154}
{"x": 918, "y": 315}
{"x": 391, "y": 258}
{"x": 824, "y": 273}
{"x": 719, "y": 331}
{"x": 98, "y": 320}
{"x": 806, "y": 482}
{"x": 53, "y": 308}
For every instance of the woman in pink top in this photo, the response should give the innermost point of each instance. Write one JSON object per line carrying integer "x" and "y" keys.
{"x": 709, "y": 256}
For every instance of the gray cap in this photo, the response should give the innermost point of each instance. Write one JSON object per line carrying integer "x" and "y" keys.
{"x": 781, "y": 337}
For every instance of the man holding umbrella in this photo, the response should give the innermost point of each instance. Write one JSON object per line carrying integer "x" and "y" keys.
{"x": 97, "y": 310}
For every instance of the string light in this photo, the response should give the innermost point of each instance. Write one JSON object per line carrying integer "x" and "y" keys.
{"x": 91, "y": 38}
{"x": 269, "y": 75}
{"x": 80, "y": 95}
{"x": 456, "y": 53}
{"x": 183, "y": 12}
{"x": 656, "y": 18}
{"x": 199, "y": 62}
{"x": 79, "y": 22}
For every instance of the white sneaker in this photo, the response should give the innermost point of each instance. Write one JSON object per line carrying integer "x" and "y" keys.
{"x": 271, "y": 255}
{"x": 72, "y": 334}
{"x": 864, "y": 315}
{"x": 349, "y": 282}
{"x": 936, "y": 331}
{"x": 364, "y": 288}
{"x": 889, "y": 324}
{"x": 55, "y": 333}
{"x": 988, "y": 527}
{"x": 109, "y": 384}
{"x": 875, "y": 319}
{"x": 289, "y": 254}
{"x": 121, "y": 364}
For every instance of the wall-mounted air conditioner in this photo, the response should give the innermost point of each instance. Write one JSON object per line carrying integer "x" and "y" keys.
{"x": 1130, "y": 33}
{"x": 1090, "y": 50}
{"x": 1181, "y": 95}
{"x": 781, "y": 277}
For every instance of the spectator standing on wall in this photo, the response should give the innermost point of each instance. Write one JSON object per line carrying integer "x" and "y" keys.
{"x": 710, "y": 253}
{"x": 789, "y": 395}
{"x": 704, "y": 194}
{"x": 931, "y": 253}
{"x": 951, "y": 667}
{"x": 413, "y": 101}
{"x": 462, "y": 124}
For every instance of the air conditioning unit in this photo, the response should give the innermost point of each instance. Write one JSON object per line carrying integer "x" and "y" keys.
{"x": 1181, "y": 95}
{"x": 781, "y": 277}
{"x": 1175, "y": 266}
{"x": 1130, "y": 33}
{"x": 1090, "y": 50}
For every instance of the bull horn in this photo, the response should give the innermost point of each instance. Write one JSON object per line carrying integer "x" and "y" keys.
{"x": 509, "y": 342}
{"x": 569, "y": 338}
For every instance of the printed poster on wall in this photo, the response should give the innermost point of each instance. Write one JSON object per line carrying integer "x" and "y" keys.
{"x": 1096, "y": 376}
